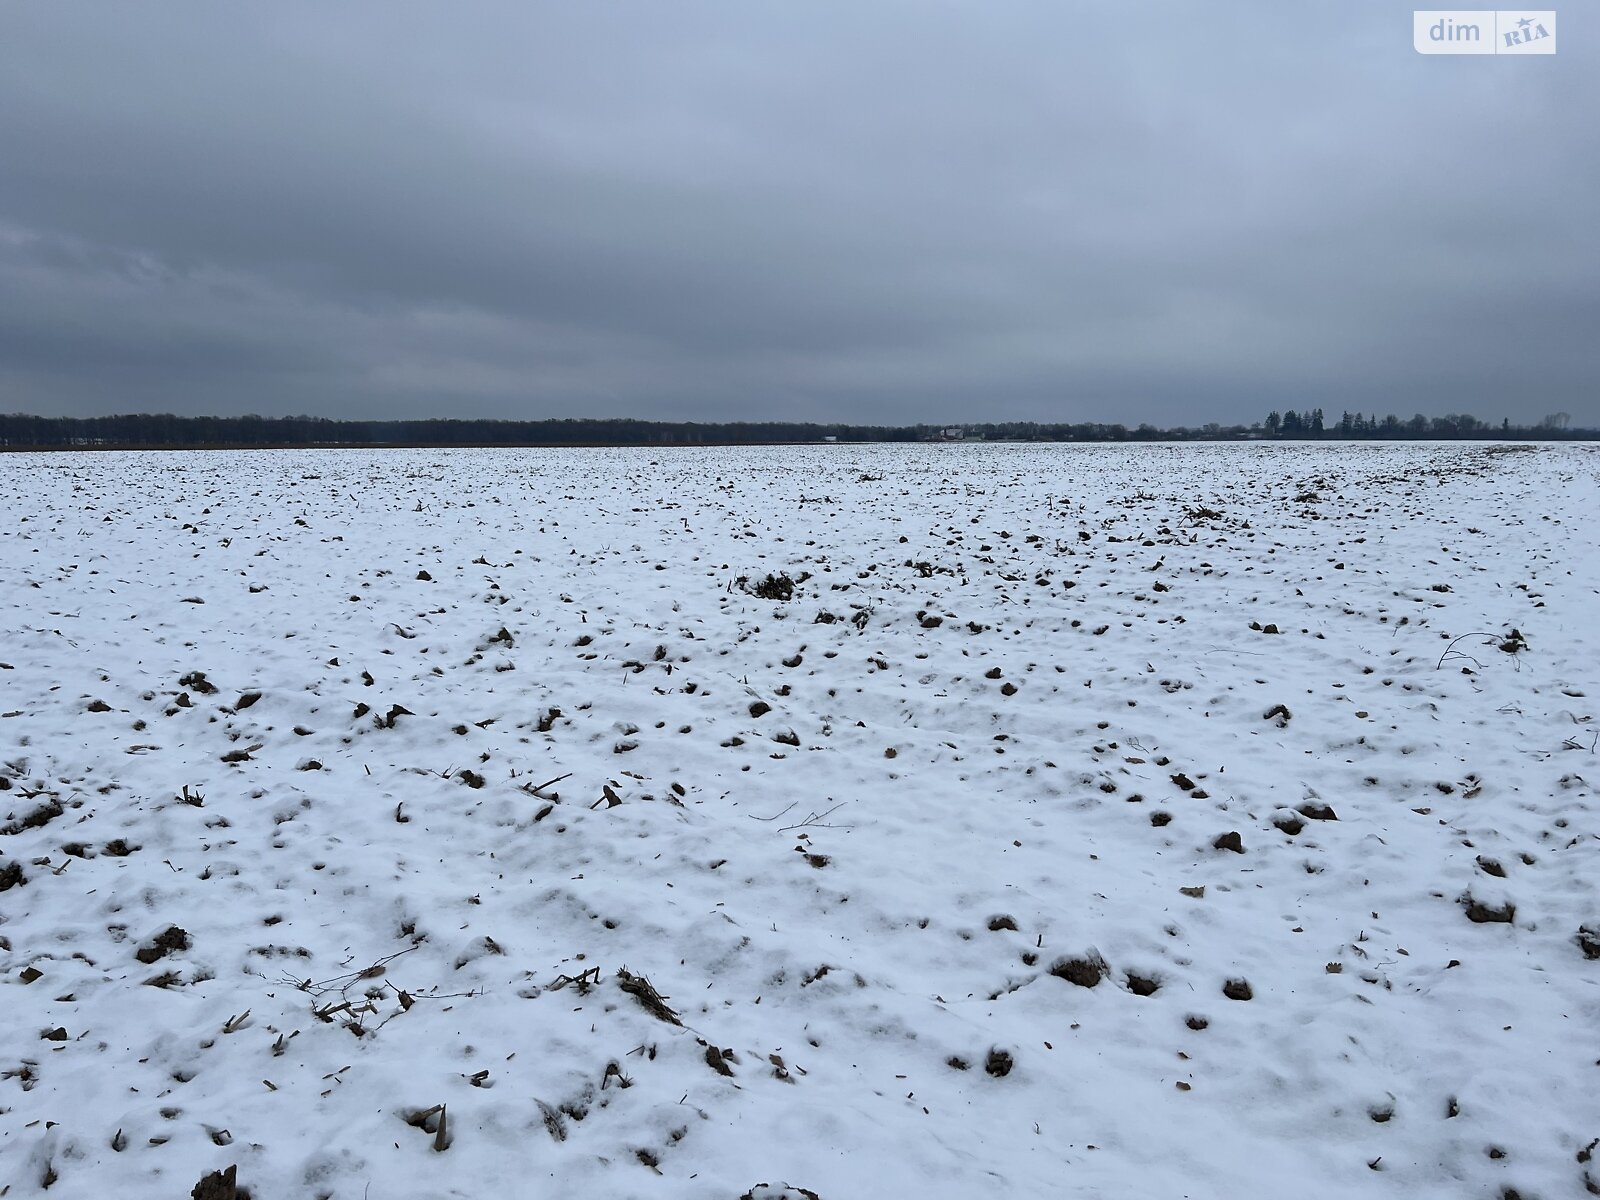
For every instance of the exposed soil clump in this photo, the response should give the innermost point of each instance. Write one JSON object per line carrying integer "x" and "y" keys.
{"x": 1480, "y": 913}
{"x": 775, "y": 587}
{"x": 1085, "y": 972}
{"x": 1142, "y": 985}
{"x": 170, "y": 940}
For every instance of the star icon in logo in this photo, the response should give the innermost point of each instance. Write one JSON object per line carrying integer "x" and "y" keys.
{"x": 1525, "y": 22}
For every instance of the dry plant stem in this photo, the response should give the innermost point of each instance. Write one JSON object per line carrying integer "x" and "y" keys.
{"x": 815, "y": 820}
{"x": 641, "y": 989}
{"x": 775, "y": 815}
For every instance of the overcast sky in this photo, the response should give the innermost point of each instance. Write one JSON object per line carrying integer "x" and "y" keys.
{"x": 865, "y": 210}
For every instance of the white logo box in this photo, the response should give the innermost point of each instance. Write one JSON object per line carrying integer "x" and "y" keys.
{"x": 1484, "y": 31}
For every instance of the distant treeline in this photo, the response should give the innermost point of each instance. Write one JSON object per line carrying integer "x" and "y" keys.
{"x": 1311, "y": 425}
{"x": 159, "y": 431}
{"x": 164, "y": 430}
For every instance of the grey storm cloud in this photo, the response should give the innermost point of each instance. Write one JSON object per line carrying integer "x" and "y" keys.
{"x": 873, "y": 210}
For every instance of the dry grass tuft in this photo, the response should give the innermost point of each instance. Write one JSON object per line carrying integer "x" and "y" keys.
{"x": 645, "y": 993}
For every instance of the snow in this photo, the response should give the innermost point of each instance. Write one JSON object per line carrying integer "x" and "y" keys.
{"x": 855, "y": 899}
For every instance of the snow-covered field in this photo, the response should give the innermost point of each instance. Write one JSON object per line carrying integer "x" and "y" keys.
{"x": 1087, "y": 821}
